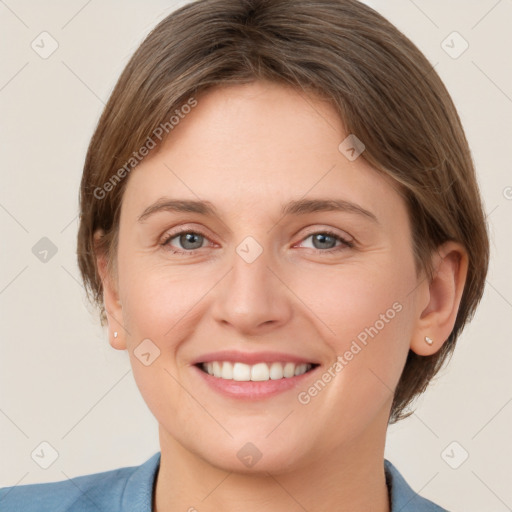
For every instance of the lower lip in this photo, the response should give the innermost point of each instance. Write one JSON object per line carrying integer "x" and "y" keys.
{"x": 252, "y": 390}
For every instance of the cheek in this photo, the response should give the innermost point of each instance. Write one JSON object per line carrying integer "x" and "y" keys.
{"x": 164, "y": 309}
{"x": 369, "y": 314}
{"x": 357, "y": 301}
{"x": 159, "y": 300}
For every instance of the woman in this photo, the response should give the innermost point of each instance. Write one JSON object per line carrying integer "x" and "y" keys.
{"x": 280, "y": 222}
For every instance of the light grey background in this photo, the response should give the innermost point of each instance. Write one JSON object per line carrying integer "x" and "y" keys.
{"x": 61, "y": 382}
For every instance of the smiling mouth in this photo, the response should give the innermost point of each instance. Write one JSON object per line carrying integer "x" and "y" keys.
{"x": 258, "y": 372}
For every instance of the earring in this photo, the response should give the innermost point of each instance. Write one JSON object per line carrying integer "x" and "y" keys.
{"x": 115, "y": 334}
{"x": 428, "y": 340}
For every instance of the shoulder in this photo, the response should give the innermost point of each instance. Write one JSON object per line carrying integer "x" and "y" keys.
{"x": 403, "y": 498}
{"x": 108, "y": 490}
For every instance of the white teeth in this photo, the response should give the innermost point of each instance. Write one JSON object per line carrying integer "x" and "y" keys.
{"x": 260, "y": 371}
{"x": 256, "y": 372}
{"x": 241, "y": 371}
{"x": 289, "y": 370}
{"x": 276, "y": 371}
{"x": 227, "y": 371}
{"x": 300, "y": 369}
{"x": 217, "y": 368}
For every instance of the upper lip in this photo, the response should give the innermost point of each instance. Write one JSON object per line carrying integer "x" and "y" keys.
{"x": 252, "y": 357}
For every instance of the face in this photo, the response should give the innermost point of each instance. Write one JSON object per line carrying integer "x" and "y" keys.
{"x": 265, "y": 283}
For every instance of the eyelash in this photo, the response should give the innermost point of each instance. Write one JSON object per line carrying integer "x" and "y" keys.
{"x": 345, "y": 243}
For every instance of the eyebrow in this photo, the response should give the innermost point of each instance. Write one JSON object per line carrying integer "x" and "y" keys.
{"x": 297, "y": 207}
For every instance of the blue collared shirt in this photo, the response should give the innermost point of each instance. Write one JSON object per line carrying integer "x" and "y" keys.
{"x": 130, "y": 489}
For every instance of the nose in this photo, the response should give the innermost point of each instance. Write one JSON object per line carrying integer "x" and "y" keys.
{"x": 253, "y": 298}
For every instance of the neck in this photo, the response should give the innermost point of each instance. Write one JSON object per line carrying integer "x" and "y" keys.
{"x": 350, "y": 478}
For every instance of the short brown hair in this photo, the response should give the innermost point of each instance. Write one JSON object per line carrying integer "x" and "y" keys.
{"x": 386, "y": 93}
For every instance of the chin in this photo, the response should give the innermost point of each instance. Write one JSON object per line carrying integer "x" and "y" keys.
{"x": 260, "y": 456}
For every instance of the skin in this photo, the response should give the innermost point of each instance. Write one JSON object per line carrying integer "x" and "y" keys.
{"x": 248, "y": 149}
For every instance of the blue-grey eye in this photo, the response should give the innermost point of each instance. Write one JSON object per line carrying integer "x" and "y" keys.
{"x": 188, "y": 240}
{"x": 320, "y": 240}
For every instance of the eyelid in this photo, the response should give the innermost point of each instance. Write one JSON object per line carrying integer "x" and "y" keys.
{"x": 345, "y": 243}
{"x": 328, "y": 230}
{"x": 170, "y": 234}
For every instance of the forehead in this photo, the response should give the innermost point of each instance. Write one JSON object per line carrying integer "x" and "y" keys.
{"x": 253, "y": 146}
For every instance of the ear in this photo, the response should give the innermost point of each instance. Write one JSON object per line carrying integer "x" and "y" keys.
{"x": 113, "y": 307}
{"x": 443, "y": 295}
